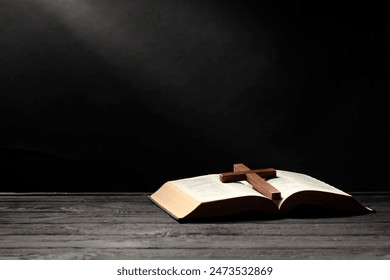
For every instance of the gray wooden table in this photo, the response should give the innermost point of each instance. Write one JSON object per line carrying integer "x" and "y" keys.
{"x": 128, "y": 226}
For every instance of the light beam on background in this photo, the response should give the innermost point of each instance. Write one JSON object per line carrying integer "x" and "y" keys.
{"x": 171, "y": 46}
{"x": 103, "y": 30}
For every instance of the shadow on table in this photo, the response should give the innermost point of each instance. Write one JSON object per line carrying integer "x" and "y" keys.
{"x": 300, "y": 212}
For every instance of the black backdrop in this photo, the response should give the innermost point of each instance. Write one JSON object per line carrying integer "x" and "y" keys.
{"x": 125, "y": 95}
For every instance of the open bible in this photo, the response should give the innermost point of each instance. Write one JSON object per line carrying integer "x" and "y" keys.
{"x": 207, "y": 197}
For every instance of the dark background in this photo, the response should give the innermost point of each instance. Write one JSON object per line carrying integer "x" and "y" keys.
{"x": 125, "y": 95}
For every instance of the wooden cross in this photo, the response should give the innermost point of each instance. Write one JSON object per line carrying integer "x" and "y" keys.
{"x": 255, "y": 178}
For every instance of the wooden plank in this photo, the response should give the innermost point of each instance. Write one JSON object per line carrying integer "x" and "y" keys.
{"x": 72, "y": 207}
{"x": 194, "y": 254}
{"x": 157, "y": 230}
{"x": 64, "y": 198}
{"x": 196, "y": 241}
{"x": 157, "y": 216}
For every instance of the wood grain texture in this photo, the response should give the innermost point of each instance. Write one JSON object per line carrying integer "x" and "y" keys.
{"x": 130, "y": 226}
